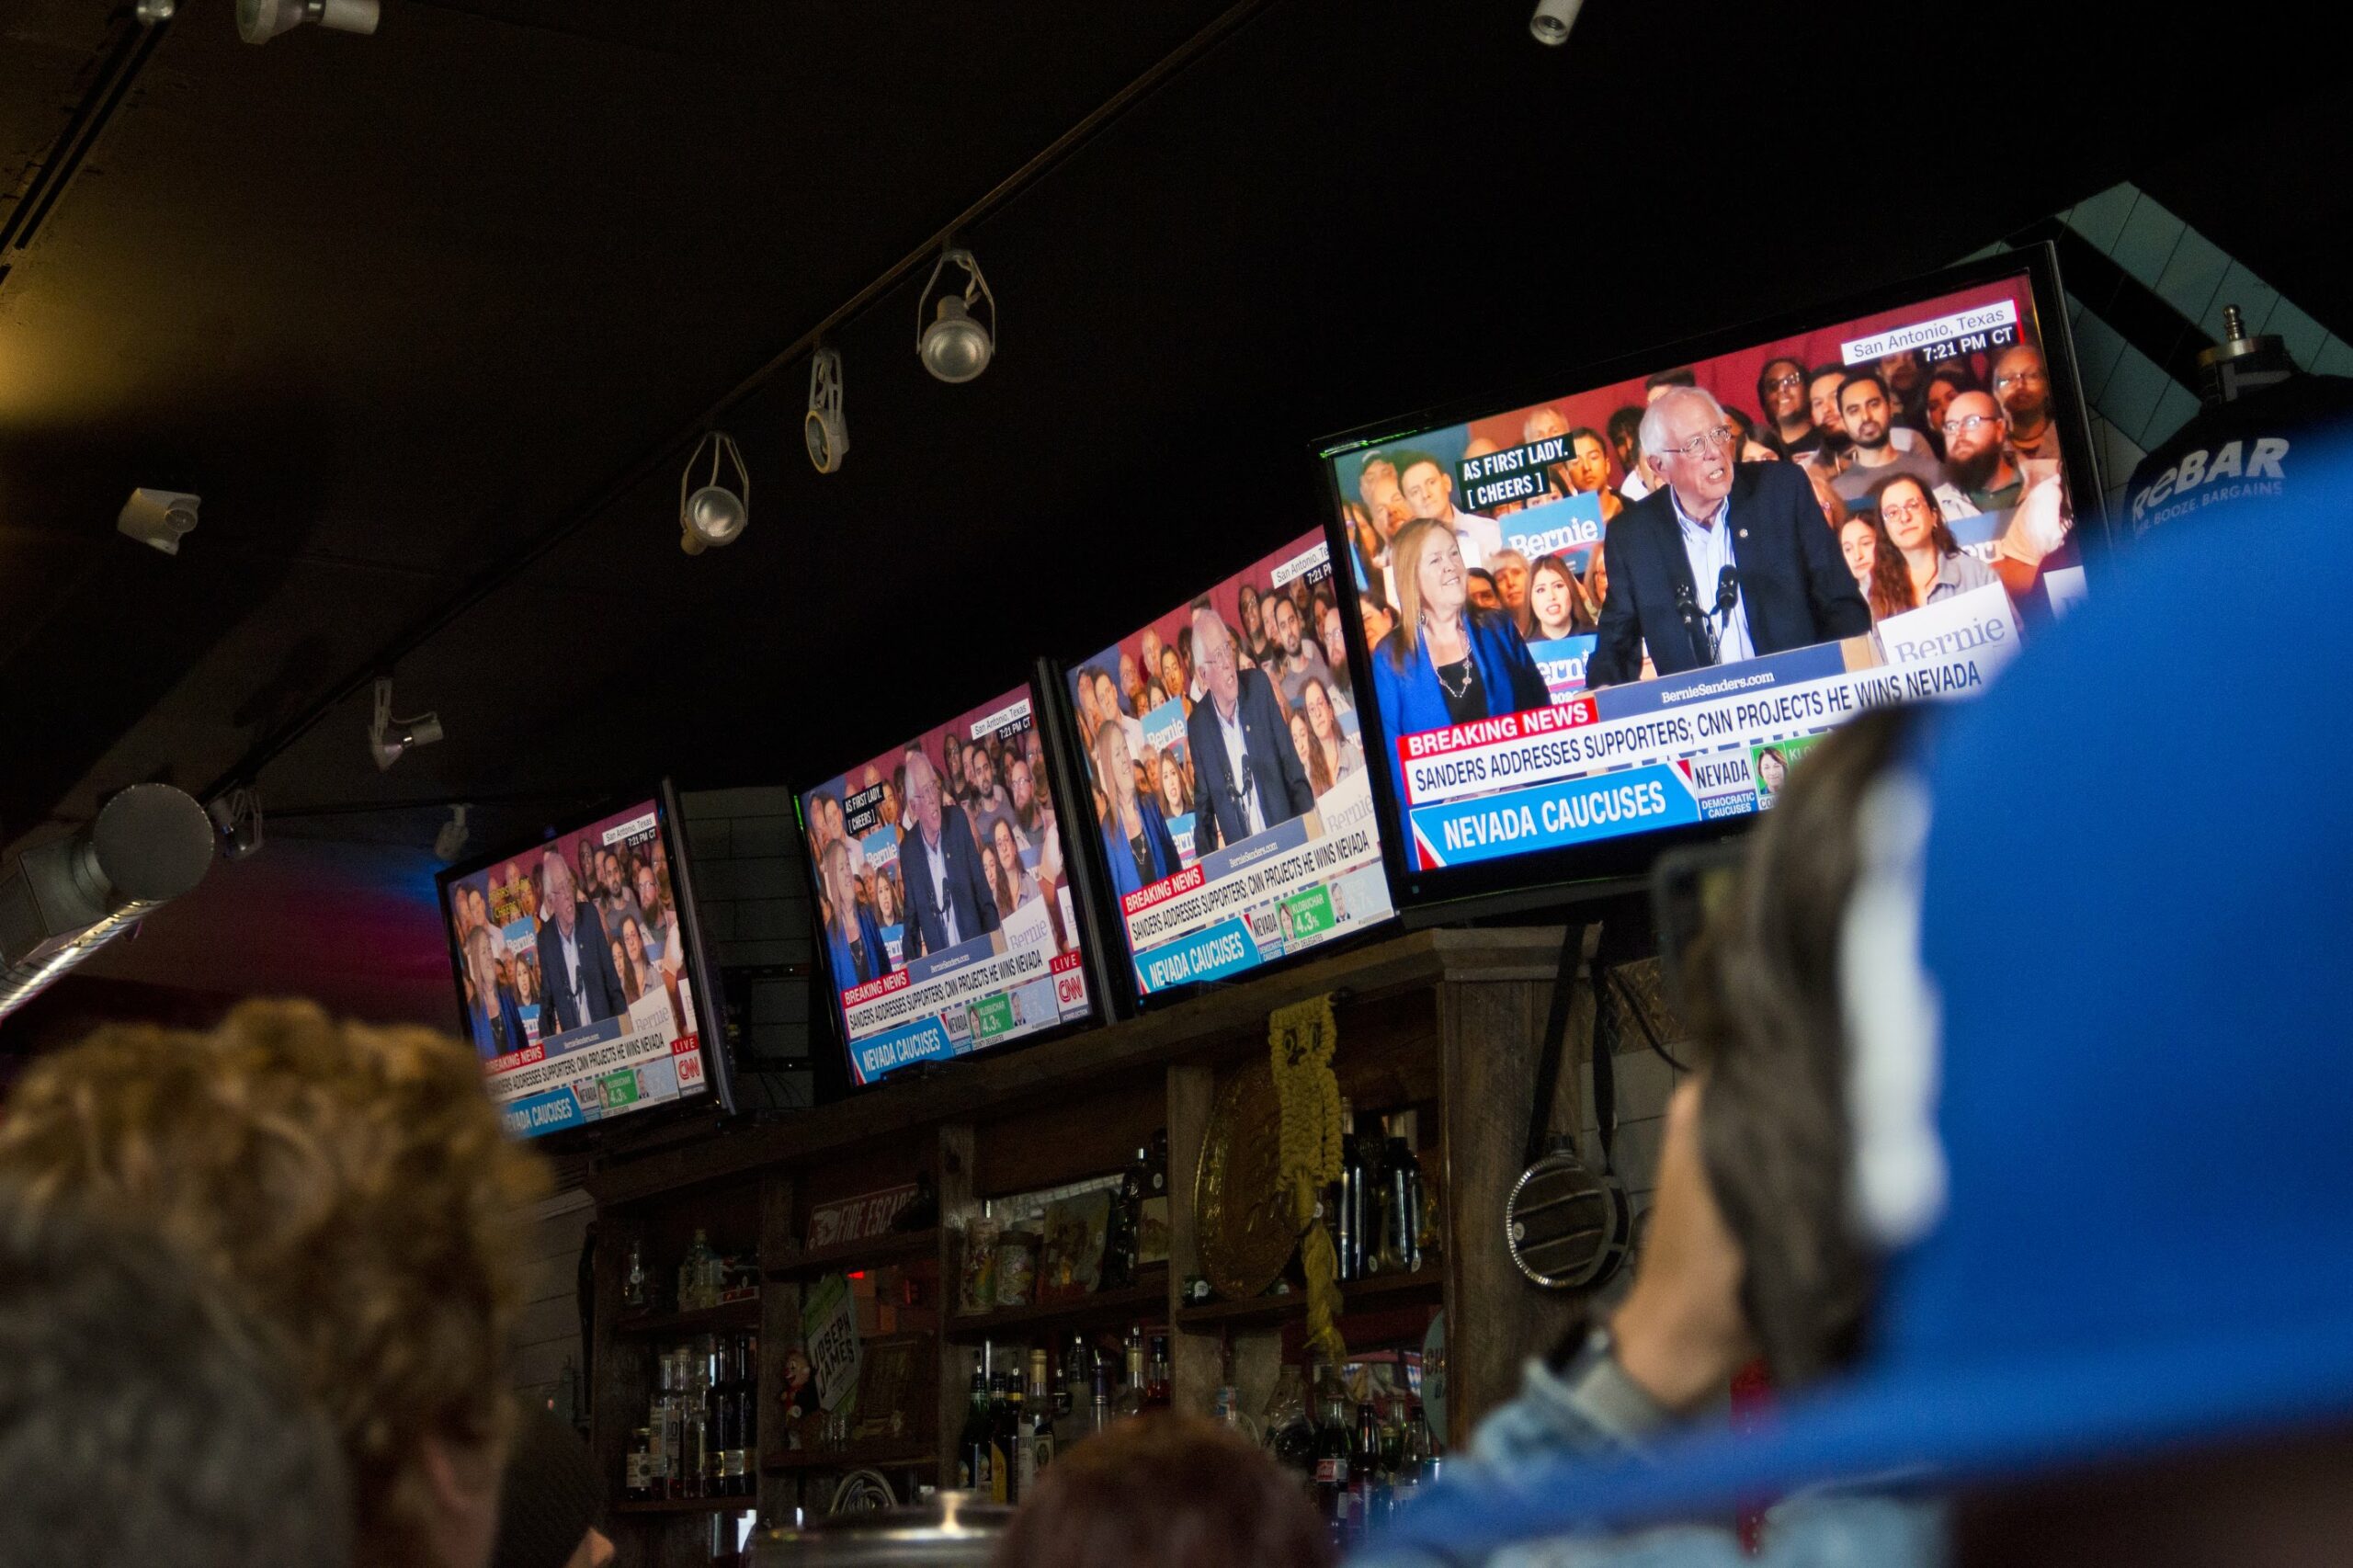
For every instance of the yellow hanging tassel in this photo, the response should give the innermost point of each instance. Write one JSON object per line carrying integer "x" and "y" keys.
{"x": 1301, "y": 1038}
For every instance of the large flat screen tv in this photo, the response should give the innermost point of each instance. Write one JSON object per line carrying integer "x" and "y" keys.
{"x": 581, "y": 974}
{"x": 1576, "y": 653}
{"x": 1231, "y": 812}
{"x": 946, "y": 918}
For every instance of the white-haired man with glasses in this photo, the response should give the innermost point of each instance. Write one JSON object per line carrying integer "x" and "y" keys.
{"x": 1725, "y": 561}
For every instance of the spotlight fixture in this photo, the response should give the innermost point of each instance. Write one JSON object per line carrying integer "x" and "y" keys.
{"x": 714, "y": 513}
{"x": 389, "y": 738}
{"x": 158, "y": 517}
{"x": 259, "y": 21}
{"x": 151, "y": 12}
{"x": 1554, "y": 19}
{"x": 70, "y": 896}
{"x": 825, "y": 429}
{"x": 955, "y": 347}
{"x": 450, "y": 842}
{"x": 237, "y": 816}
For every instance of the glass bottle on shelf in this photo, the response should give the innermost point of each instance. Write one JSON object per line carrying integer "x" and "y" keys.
{"x": 1099, "y": 1412}
{"x": 1038, "y": 1440}
{"x": 697, "y": 1406}
{"x": 726, "y": 1415}
{"x": 1132, "y": 1391}
{"x": 1417, "y": 1457}
{"x": 694, "y": 1275}
{"x": 1008, "y": 1458}
{"x": 972, "y": 1444}
{"x": 637, "y": 1286}
{"x": 675, "y": 1403}
{"x": 1332, "y": 1456}
{"x": 1368, "y": 1476}
{"x": 637, "y": 1483}
{"x": 747, "y": 1415}
{"x": 1158, "y": 1377}
{"x": 1348, "y": 1194}
{"x": 1071, "y": 1409}
{"x": 1291, "y": 1427}
{"x": 1400, "y": 1209}
{"x": 1120, "y": 1231}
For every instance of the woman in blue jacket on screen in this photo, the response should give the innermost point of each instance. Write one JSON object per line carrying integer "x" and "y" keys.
{"x": 852, "y": 939}
{"x": 1135, "y": 837}
{"x": 494, "y": 1020}
{"x": 1446, "y": 664}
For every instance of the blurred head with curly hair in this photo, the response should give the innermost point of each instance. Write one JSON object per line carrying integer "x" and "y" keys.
{"x": 355, "y": 1188}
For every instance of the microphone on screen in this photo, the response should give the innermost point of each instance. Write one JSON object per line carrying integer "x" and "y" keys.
{"x": 1704, "y": 631}
{"x": 1727, "y": 592}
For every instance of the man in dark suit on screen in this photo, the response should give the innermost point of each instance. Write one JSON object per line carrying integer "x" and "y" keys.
{"x": 947, "y": 895}
{"x": 575, "y": 955}
{"x": 1247, "y": 775}
{"x": 1726, "y": 560}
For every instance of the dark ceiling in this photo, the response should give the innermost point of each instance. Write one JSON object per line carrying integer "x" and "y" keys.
{"x": 397, "y": 307}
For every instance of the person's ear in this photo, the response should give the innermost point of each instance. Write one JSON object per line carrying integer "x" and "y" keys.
{"x": 462, "y": 1478}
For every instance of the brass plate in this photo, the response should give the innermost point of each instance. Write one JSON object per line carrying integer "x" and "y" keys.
{"x": 1245, "y": 1225}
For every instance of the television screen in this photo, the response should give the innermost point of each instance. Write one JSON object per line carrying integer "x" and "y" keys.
{"x": 1628, "y": 608}
{"x": 577, "y": 973}
{"x": 1227, "y": 756}
{"x": 946, "y": 921}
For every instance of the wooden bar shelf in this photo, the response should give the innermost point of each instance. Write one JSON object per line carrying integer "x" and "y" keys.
{"x": 1444, "y": 1025}
{"x": 858, "y": 1456}
{"x": 685, "y": 1506}
{"x": 1146, "y": 1299}
{"x": 1380, "y": 1291}
{"x": 874, "y": 1252}
{"x": 743, "y": 1314}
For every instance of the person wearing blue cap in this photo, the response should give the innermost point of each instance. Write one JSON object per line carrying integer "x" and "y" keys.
{"x": 2099, "y": 1101}
{"x": 1749, "y": 1247}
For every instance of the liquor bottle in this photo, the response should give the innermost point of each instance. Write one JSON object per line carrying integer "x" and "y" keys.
{"x": 1099, "y": 1412}
{"x": 972, "y": 1444}
{"x": 1291, "y": 1428}
{"x": 728, "y": 1413}
{"x": 1348, "y": 1193}
{"x": 748, "y": 1398}
{"x": 1332, "y": 1460}
{"x": 1131, "y": 1391}
{"x": 694, "y": 1275}
{"x": 677, "y": 1403}
{"x": 1158, "y": 1379}
{"x": 637, "y": 1285}
{"x": 1014, "y": 1449}
{"x": 1367, "y": 1477}
{"x": 1070, "y": 1408}
{"x": 1038, "y": 1436}
{"x": 1120, "y": 1231}
{"x": 1417, "y": 1458}
{"x": 637, "y": 1483}
{"x": 696, "y": 1404}
{"x": 657, "y": 1424}
{"x": 1401, "y": 1209}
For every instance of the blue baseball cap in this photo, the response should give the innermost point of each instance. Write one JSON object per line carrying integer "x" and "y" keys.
{"x": 2134, "y": 911}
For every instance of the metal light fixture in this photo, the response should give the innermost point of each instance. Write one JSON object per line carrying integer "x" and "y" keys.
{"x": 259, "y": 21}
{"x": 713, "y": 514}
{"x": 450, "y": 842}
{"x": 158, "y": 519}
{"x": 237, "y": 815}
{"x": 954, "y": 346}
{"x": 69, "y": 897}
{"x": 390, "y": 739}
{"x": 825, "y": 429}
{"x": 1554, "y": 19}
